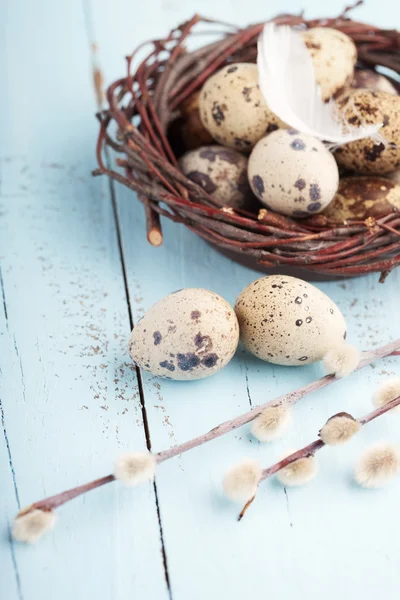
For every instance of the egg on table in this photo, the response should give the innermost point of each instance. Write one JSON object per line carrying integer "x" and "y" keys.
{"x": 334, "y": 57}
{"x": 362, "y": 197}
{"x": 222, "y": 173}
{"x": 233, "y": 108}
{"x": 364, "y": 107}
{"x": 287, "y": 321}
{"x": 292, "y": 173}
{"x": 189, "y": 334}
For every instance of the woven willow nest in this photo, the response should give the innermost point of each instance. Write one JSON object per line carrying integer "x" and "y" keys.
{"x": 141, "y": 107}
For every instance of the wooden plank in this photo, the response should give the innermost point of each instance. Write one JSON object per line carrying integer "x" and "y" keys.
{"x": 321, "y": 539}
{"x": 70, "y": 397}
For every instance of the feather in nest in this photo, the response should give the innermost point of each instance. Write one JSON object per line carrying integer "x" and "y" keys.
{"x": 288, "y": 84}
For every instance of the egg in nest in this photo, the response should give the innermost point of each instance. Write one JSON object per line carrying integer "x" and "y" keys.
{"x": 292, "y": 173}
{"x": 364, "y": 107}
{"x": 222, "y": 173}
{"x": 287, "y": 321}
{"x": 189, "y": 334}
{"x": 362, "y": 197}
{"x": 334, "y": 56}
{"x": 233, "y": 108}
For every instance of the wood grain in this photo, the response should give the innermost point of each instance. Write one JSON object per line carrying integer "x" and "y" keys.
{"x": 71, "y": 250}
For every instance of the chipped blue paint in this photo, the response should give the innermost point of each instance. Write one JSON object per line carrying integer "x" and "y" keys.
{"x": 70, "y": 395}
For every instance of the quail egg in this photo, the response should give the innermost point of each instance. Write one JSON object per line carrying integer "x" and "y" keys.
{"x": 233, "y": 108}
{"x": 371, "y": 80}
{"x": 363, "y": 107}
{"x": 189, "y": 334}
{"x": 362, "y": 197}
{"x": 334, "y": 56}
{"x": 292, "y": 173}
{"x": 287, "y": 321}
{"x": 222, "y": 172}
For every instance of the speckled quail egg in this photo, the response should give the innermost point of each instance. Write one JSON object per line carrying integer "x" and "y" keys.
{"x": 233, "y": 108}
{"x": 371, "y": 80}
{"x": 287, "y": 321}
{"x": 222, "y": 172}
{"x": 189, "y": 334}
{"x": 362, "y": 197}
{"x": 394, "y": 176}
{"x": 334, "y": 56}
{"x": 363, "y": 107}
{"x": 292, "y": 173}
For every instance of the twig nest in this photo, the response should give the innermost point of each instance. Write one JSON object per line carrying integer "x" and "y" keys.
{"x": 189, "y": 334}
{"x": 233, "y": 109}
{"x": 299, "y": 472}
{"x": 386, "y": 392}
{"x": 339, "y": 429}
{"x": 362, "y": 197}
{"x": 29, "y": 525}
{"x": 287, "y": 321}
{"x": 363, "y": 107}
{"x": 191, "y": 129}
{"x": 221, "y": 172}
{"x": 241, "y": 481}
{"x": 342, "y": 360}
{"x": 271, "y": 423}
{"x": 371, "y": 80}
{"x": 133, "y": 468}
{"x": 292, "y": 173}
{"x": 334, "y": 56}
{"x": 378, "y": 465}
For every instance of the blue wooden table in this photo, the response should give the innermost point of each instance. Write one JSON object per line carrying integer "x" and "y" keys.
{"x": 75, "y": 266}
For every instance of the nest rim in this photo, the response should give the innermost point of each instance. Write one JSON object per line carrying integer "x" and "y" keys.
{"x": 142, "y": 104}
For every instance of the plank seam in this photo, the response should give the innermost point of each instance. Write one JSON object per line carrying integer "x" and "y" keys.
{"x": 3, "y": 295}
{"x": 10, "y": 462}
{"x": 15, "y": 565}
{"x": 139, "y": 376}
{"x": 246, "y": 374}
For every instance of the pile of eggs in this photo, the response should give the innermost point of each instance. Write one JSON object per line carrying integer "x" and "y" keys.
{"x": 193, "y": 333}
{"x": 242, "y": 154}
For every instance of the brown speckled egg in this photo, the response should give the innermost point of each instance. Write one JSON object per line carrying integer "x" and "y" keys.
{"x": 287, "y": 321}
{"x": 394, "y": 176}
{"x": 334, "y": 56}
{"x": 221, "y": 172}
{"x": 362, "y": 197}
{"x": 189, "y": 334}
{"x": 363, "y": 107}
{"x": 233, "y": 109}
{"x": 371, "y": 80}
{"x": 292, "y": 173}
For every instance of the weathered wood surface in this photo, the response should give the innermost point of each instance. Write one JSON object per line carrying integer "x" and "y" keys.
{"x": 69, "y": 395}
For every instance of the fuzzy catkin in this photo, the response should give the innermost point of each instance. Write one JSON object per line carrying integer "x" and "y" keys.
{"x": 133, "y": 468}
{"x": 241, "y": 481}
{"x": 342, "y": 360}
{"x": 339, "y": 429}
{"x": 271, "y": 423}
{"x": 387, "y": 391}
{"x": 378, "y": 465}
{"x": 28, "y": 527}
{"x": 299, "y": 472}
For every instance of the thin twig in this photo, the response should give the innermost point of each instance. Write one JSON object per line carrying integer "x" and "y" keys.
{"x": 287, "y": 399}
{"x": 312, "y": 449}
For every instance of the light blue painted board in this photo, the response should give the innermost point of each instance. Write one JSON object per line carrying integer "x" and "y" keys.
{"x": 301, "y": 545}
{"x": 70, "y": 398}
{"x": 9, "y": 580}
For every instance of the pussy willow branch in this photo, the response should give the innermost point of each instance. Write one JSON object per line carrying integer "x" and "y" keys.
{"x": 311, "y": 449}
{"x": 288, "y": 399}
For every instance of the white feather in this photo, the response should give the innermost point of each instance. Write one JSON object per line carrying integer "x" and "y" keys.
{"x": 288, "y": 84}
